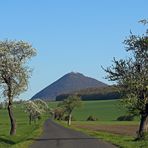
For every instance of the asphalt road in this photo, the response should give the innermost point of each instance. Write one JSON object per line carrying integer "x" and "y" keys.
{"x": 56, "y": 136}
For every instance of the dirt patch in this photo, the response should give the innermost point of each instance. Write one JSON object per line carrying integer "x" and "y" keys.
{"x": 129, "y": 130}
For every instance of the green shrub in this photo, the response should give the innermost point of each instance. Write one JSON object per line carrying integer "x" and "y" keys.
{"x": 91, "y": 118}
{"x": 66, "y": 118}
{"x": 126, "y": 118}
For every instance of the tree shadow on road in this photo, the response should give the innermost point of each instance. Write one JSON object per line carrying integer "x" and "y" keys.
{"x": 50, "y": 139}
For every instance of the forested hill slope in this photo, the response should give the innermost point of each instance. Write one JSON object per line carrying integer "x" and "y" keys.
{"x": 98, "y": 93}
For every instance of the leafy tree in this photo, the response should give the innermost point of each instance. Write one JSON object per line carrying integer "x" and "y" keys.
{"x": 69, "y": 105}
{"x": 58, "y": 113}
{"x": 42, "y": 105}
{"x": 35, "y": 109}
{"x": 131, "y": 75}
{"x": 14, "y": 73}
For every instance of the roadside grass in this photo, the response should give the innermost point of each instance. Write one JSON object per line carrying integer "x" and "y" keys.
{"x": 107, "y": 112}
{"x": 120, "y": 141}
{"x": 94, "y": 123}
{"x": 25, "y": 133}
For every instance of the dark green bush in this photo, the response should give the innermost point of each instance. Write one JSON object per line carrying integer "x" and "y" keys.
{"x": 126, "y": 118}
{"x": 66, "y": 118}
{"x": 91, "y": 118}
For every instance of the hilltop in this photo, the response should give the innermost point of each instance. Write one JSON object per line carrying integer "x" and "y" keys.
{"x": 68, "y": 83}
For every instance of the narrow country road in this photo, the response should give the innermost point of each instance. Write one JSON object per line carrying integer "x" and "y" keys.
{"x": 56, "y": 136}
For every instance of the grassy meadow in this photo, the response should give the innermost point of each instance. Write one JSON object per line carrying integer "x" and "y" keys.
{"x": 25, "y": 132}
{"x": 106, "y": 111}
{"x": 103, "y": 110}
{"x": 107, "y": 128}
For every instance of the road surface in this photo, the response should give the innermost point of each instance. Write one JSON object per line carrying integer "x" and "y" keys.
{"x": 56, "y": 136}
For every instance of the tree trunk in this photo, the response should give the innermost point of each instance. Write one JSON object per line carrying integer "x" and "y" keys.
{"x": 146, "y": 125}
{"x": 12, "y": 120}
{"x": 30, "y": 119}
{"x": 142, "y": 126}
{"x": 69, "y": 119}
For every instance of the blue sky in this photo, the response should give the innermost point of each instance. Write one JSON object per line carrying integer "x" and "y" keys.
{"x": 71, "y": 35}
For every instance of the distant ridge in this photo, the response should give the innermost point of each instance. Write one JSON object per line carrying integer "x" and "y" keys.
{"x": 110, "y": 92}
{"x": 66, "y": 84}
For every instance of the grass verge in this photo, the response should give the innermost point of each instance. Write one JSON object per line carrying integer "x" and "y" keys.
{"x": 120, "y": 141}
{"x": 25, "y": 133}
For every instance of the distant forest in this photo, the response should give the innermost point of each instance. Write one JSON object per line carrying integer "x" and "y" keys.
{"x": 103, "y": 93}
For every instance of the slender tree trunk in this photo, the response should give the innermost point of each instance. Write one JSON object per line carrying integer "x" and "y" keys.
{"x": 142, "y": 126}
{"x": 12, "y": 120}
{"x": 146, "y": 125}
{"x": 30, "y": 119}
{"x": 34, "y": 120}
{"x": 69, "y": 119}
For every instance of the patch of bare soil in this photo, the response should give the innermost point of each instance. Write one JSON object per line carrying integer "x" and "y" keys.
{"x": 129, "y": 130}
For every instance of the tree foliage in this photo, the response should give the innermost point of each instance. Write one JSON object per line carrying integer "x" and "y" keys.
{"x": 35, "y": 109}
{"x": 13, "y": 70}
{"x": 69, "y": 105}
{"x": 131, "y": 75}
{"x": 58, "y": 113}
{"x": 14, "y": 73}
{"x": 103, "y": 93}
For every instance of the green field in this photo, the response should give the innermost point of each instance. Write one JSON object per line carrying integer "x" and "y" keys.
{"x": 103, "y": 110}
{"x": 106, "y": 112}
{"x": 25, "y": 132}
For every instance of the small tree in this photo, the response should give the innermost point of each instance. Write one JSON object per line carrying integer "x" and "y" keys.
{"x": 42, "y": 105}
{"x": 58, "y": 113}
{"x": 14, "y": 73}
{"x": 69, "y": 105}
{"x": 131, "y": 76}
{"x": 35, "y": 109}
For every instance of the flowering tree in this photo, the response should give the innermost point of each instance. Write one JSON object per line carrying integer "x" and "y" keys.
{"x": 14, "y": 72}
{"x": 35, "y": 109}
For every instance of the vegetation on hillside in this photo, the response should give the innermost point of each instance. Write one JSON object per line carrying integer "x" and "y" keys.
{"x": 98, "y": 93}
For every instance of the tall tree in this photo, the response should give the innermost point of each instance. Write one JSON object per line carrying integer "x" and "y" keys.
{"x": 131, "y": 75}
{"x": 69, "y": 105}
{"x": 14, "y": 73}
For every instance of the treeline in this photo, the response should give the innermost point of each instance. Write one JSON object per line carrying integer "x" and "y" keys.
{"x": 104, "y": 93}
